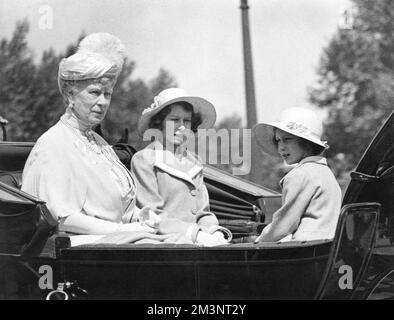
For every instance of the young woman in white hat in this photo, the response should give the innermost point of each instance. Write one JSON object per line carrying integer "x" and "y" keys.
{"x": 169, "y": 177}
{"x": 311, "y": 196}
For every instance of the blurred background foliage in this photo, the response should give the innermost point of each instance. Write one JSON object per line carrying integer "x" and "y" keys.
{"x": 356, "y": 82}
{"x": 355, "y": 88}
{"x": 30, "y": 98}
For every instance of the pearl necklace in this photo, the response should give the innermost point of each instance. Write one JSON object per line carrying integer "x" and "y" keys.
{"x": 87, "y": 137}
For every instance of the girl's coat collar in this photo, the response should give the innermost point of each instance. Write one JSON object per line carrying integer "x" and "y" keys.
{"x": 166, "y": 161}
{"x": 316, "y": 159}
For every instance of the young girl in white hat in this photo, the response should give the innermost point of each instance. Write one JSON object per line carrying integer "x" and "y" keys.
{"x": 311, "y": 196}
{"x": 169, "y": 176}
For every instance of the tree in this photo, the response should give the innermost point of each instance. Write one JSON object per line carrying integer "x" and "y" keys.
{"x": 356, "y": 82}
{"x": 163, "y": 80}
{"x": 17, "y": 74}
{"x": 29, "y": 96}
{"x": 30, "y": 99}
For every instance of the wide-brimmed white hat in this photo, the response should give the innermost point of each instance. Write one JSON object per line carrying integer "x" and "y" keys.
{"x": 172, "y": 95}
{"x": 301, "y": 122}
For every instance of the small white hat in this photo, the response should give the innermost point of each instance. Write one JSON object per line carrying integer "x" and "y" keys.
{"x": 172, "y": 95}
{"x": 301, "y": 122}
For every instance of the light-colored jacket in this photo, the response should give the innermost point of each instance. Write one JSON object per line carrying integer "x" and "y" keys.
{"x": 311, "y": 202}
{"x": 172, "y": 187}
{"x": 73, "y": 180}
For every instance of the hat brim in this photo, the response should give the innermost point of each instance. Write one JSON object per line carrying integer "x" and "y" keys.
{"x": 264, "y": 134}
{"x": 201, "y": 106}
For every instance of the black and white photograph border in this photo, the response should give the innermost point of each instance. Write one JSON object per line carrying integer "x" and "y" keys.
{"x": 269, "y": 175}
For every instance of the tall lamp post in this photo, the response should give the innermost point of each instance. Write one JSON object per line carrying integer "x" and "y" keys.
{"x": 251, "y": 116}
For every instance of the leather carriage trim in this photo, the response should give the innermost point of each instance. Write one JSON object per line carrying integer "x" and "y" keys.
{"x": 359, "y": 176}
{"x": 21, "y": 193}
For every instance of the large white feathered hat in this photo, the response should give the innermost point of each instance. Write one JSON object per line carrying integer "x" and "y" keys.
{"x": 98, "y": 54}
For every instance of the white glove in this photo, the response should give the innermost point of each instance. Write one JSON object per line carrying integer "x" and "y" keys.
{"x": 210, "y": 240}
{"x": 220, "y": 236}
{"x": 222, "y": 232}
{"x": 148, "y": 217}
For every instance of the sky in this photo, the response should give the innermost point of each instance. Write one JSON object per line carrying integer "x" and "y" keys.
{"x": 199, "y": 42}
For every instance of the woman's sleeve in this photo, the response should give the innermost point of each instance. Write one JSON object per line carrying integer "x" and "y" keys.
{"x": 297, "y": 194}
{"x": 84, "y": 224}
{"x": 49, "y": 175}
{"x": 205, "y": 218}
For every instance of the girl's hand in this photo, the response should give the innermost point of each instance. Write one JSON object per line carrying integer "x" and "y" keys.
{"x": 221, "y": 232}
{"x": 148, "y": 217}
{"x": 220, "y": 237}
{"x": 210, "y": 240}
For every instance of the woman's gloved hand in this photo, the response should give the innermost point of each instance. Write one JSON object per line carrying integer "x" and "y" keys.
{"x": 221, "y": 232}
{"x": 220, "y": 236}
{"x": 210, "y": 240}
{"x": 148, "y": 217}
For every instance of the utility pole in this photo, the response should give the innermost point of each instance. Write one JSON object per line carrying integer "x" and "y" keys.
{"x": 251, "y": 113}
{"x": 251, "y": 116}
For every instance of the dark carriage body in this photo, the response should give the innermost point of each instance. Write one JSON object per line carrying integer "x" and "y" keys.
{"x": 242, "y": 270}
{"x": 373, "y": 180}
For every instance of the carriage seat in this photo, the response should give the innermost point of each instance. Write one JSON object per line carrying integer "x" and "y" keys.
{"x": 13, "y": 179}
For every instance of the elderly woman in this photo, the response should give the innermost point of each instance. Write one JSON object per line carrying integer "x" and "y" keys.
{"x": 169, "y": 177}
{"x": 72, "y": 168}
